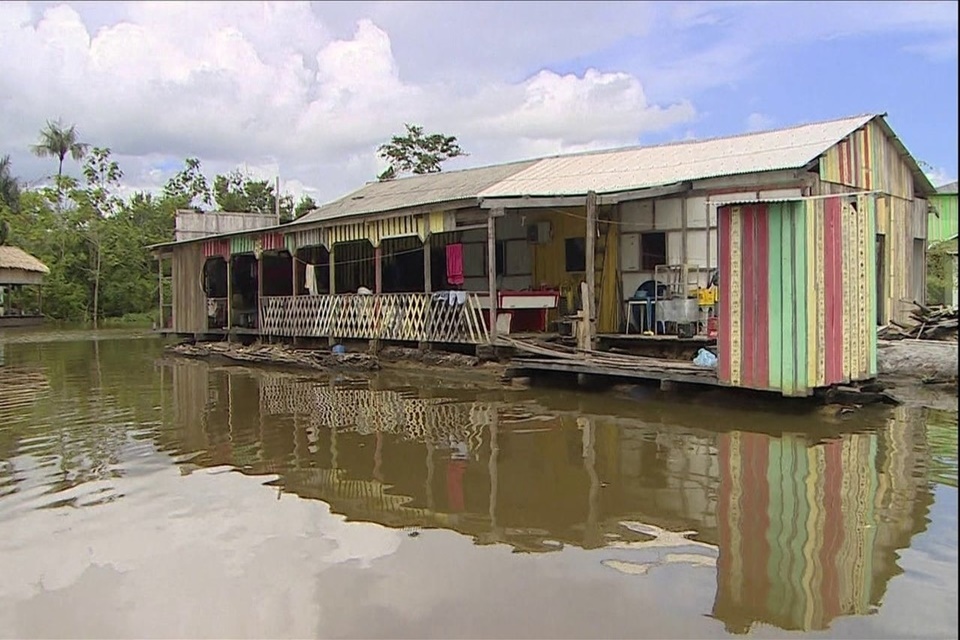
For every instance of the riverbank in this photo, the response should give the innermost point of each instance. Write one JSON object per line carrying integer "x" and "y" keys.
{"x": 915, "y": 373}
{"x": 324, "y": 360}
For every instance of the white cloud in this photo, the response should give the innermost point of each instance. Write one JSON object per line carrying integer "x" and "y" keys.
{"x": 759, "y": 122}
{"x": 266, "y": 84}
{"x": 311, "y": 91}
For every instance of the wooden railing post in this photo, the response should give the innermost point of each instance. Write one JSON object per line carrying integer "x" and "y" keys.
{"x": 492, "y": 270}
{"x": 427, "y": 266}
{"x": 331, "y": 340}
{"x": 589, "y": 303}
{"x": 229, "y": 293}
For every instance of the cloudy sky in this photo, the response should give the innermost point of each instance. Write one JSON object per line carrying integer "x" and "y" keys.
{"x": 308, "y": 90}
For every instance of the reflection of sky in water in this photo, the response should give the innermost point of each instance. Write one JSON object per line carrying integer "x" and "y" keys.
{"x": 120, "y": 514}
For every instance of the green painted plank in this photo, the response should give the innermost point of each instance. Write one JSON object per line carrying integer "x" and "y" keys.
{"x": 774, "y": 524}
{"x": 799, "y": 218}
{"x": 775, "y": 301}
{"x": 789, "y": 516}
{"x": 788, "y": 293}
{"x": 943, "y": 226}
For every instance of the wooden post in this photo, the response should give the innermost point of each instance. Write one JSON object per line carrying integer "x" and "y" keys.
{"x": 708, "y": 239}
{"x": 378, "y": 269}
{"x": 332, "y": 285}
{"x": 492, "y": 270}
{"x": 160, "y": 290}
{"x": 259, "y": 287}
{"x": 427, "y": 266}
{"x": 229, "y": 293}
{"x": 293, "y": 268}
{"x": 493, "y": 467}
{"x": 589, "y": 303}
{"x": 683, "y": 232}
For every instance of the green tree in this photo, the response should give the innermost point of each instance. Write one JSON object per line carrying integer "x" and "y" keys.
{"x": 188, "y": 188}
{"x": 58, "y": 141}
{"x": 305, "y": 205}
{"x": 97, "y": 204}
{"x": 236, "y": 191}
{"x": 416, "y": 152}
{"x": 9, "y": 186}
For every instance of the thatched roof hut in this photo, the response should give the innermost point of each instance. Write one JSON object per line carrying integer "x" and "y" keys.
{"x": 19, "y": 267}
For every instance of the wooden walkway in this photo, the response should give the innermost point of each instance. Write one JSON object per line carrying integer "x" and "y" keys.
{"x": 538, "y": 356}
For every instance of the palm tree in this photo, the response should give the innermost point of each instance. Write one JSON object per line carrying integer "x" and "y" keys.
{"x": 9, "y": 186}
{"x": 57, "y": 141}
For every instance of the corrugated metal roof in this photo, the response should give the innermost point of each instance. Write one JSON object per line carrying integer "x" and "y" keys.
{"x": 949, "y": 188}
{"x": 643, "y": 167}
{"x": 415, "y": 191}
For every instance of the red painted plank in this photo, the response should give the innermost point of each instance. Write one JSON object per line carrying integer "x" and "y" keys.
{"x": 755, "y": 521}
{"x": 833, "y": 294}
{"x": 723, "y": 331}
{"x": 748, "y": 301}
{"x": 761, "y": 370}
{"x": 729, "y": 556}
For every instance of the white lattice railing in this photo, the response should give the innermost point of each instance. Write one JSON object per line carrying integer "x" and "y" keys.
{"x": 408, "y": 317}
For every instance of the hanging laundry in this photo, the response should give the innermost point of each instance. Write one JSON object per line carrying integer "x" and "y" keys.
{"x": 455, "y": 264}
{"x": 310, "y": 275}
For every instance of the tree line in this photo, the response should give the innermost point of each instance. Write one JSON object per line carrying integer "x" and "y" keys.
{"x": 94, "y": 239}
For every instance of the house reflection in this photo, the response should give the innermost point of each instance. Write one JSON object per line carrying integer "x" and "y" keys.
{"x": 801, "y": 530}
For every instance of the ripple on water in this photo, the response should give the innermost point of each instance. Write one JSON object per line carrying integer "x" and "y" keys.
{"x": 736, "y": 519}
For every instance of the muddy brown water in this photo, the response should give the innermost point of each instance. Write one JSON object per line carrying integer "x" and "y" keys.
{"x": 146, "y": 496}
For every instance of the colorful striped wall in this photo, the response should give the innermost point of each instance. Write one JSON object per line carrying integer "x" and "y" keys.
{"x": 797, "y": 529}
{"x": 867, "y": 160}
{"x": 942, "y": 226}
{"x": 797, "y": 282}
{"x": 216, "y": 249}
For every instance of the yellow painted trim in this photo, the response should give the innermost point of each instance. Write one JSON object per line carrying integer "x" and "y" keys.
{"x": 736, "y": 296}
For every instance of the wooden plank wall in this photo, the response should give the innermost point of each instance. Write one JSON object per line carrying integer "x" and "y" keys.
{"x": 549, "y": 259}
{"x": 189, "y": 301}
{"x": 944, "y": 225}
{"x": 868, "y": 161}
{"x": 796, "y": 303}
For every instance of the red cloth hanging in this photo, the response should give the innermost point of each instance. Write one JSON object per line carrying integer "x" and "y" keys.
{"x": 455, "y": 264}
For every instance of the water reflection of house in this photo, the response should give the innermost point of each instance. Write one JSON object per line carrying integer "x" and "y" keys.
{"x": 809, "y": 532}
{"x": 806, "y": 530}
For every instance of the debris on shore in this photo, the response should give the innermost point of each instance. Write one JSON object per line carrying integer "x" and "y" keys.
{"x": 428, "y": 357}
{"x": 930, "y": 324}
{"x": 278, "y": 355}
{"x": 322, "y": 359}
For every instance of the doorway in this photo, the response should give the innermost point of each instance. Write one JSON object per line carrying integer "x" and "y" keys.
{"x": 881, "y": 277}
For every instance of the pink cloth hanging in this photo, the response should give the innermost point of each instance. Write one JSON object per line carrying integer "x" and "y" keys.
{"x": 455, "y": 264}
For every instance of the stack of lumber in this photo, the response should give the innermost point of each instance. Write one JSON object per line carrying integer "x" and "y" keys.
{"x": 928, "y": 324}
{"x": 538, "y": 352}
